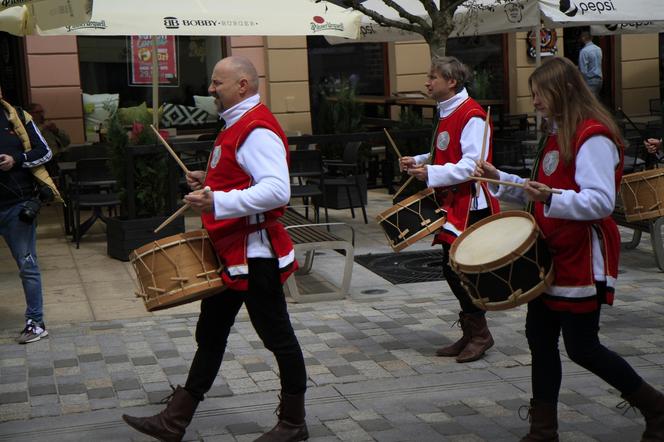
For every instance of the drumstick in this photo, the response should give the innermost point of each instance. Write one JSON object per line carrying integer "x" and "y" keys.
{"x": 509, "y": 183}
{"x": 403, "y": 187}
{"x": 392, "y": 143}
{"x": 486, "y": 131}
{"x": 177, "y": 213}
{"x": 168, "y": 220}
{"x": 170, "y": 150}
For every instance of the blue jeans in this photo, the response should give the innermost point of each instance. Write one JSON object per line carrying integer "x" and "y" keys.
{"x": 21, "y": 238}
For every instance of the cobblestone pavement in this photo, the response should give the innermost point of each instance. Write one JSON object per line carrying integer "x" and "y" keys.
{"x": 372, "y": 372}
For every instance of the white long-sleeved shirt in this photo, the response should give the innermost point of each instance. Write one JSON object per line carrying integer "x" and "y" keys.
{"x": 471, "y": 149}
{"x": 595, "y": 163}
{"x": 263, "y": 157}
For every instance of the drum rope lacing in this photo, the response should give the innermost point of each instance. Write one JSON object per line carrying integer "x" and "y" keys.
{"x": 180, "y": 279}
{"x": 513, "y": 298}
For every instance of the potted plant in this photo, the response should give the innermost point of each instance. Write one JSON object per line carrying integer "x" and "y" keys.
{"x": 142, "y": 172}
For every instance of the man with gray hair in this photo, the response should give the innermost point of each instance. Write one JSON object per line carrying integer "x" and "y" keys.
{"x": 241, "y": 197}
{"x": 447, "y": 168}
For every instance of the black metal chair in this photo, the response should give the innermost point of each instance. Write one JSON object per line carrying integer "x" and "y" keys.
{"x": 307, "y": 180}
{"x": 347, "y": 173}
{"x": 92, "y": 186}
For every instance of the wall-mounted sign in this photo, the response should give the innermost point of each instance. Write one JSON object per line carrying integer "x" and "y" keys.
{"x": 547, "y": 42}
{"x": 141, "y": 53}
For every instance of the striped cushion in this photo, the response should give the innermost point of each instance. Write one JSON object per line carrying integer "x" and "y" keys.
{"x": 178, "y": 115}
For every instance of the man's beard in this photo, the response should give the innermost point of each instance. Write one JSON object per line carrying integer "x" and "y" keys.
{"x": 217, "y": 102}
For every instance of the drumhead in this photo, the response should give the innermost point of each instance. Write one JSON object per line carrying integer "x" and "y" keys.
{"x": 492, "y": 241}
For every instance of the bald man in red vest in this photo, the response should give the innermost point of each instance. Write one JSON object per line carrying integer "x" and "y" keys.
{"x": 249, "y": 187}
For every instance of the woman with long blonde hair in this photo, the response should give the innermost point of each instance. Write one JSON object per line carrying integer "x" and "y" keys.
{"x": 581, "y": 154}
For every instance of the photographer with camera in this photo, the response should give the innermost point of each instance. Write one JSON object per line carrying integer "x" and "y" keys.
{"x": 24, "y": 186}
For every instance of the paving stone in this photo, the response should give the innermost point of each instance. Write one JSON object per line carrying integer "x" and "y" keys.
{"x": 41, "y": 390}
{"x": 375, "y": 425}
{"x": 220, "y": 391}
{"x": 100, "y": 393}
{"x": 177, "y": 369}
{"x": 253, "y": 368}
{"x": 116, "y": 359}
{"x": 244, "y": 428}
{"x": 90, "y": 357}
{"x": 343, "y": 370}
{"x": 144, "y": 360}
{"x": 13, "y": 397}
{"x": 179, "y": 334}
{"x": 13, "y": 379}
{"x": 73, "y": 388}
{"x": 62, "y": 363}
{"x": 40, "y": 371}
{"x": 164, "y": 354}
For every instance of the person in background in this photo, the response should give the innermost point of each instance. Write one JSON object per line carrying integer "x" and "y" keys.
{"x": 582, "y": 155}
{"x": 242, "y": 196}
{"x": 24, "y": 185}
{"x": 590, "y": 63}
{"x": 56, "y": 138}
{"x": 456, "y": 146}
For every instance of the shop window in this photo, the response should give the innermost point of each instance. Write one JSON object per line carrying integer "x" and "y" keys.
{"x": 331, "y": 67}
{"x": 484, "y": 55}
{"x": 661, "y": 68}
{"x": 110, "y": 65}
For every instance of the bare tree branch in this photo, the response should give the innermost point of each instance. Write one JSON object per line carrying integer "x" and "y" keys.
{"x": 430, "y": 7}
{"x": 417, "y": 25}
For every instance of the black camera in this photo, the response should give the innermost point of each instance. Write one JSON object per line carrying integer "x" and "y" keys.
{"x": 31, "y": 207}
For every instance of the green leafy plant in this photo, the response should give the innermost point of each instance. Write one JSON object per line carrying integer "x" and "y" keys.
{"x": 339, "y": 112}
{"x": 481, "y": 86}
{"x": 150, "y": 170}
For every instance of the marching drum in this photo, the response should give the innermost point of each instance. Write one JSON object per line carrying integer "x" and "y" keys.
{"x": 642, "y": 194}
{"x": 412, "y": 219}
{"x": 176, "y": 270}
{"x": 502, "y": 261}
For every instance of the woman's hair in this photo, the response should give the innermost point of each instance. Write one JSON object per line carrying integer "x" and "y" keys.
{"x": 569, "y": 102}
{"x": 452, "y": 69}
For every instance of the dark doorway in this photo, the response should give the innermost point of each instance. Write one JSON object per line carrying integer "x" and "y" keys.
{"x": 573, "y": 46}
{"x": 13, "y": 78}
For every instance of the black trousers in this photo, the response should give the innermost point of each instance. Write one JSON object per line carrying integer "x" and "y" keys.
{"x": 451, "y": 276}
{"x": 543, "y": 327}
{"x": 266, "y": 305}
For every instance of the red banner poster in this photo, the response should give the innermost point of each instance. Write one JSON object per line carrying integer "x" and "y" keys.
{"x": 141, "y": 53}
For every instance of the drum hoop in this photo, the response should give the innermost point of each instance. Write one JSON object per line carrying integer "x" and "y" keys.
{"x": 405, "y": 203}
{"x": 500, "y": 262}
{"x": 182, "y": 237}
{"x": 642, "y": 176}
{"x": 511, "y": 301}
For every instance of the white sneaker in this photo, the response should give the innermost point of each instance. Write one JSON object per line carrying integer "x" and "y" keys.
{"x": 32, "y": 332}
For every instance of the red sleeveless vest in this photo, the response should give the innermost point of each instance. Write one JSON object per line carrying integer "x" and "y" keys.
{"x": 446, "y": 148}
{"x": 570, "y": 241}
{"x": 229, "y": 236}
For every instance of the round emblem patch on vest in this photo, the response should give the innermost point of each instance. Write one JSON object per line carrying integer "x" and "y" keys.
{"x": 216, "y": 155}
{"x": 550, "y": 162}
{"x": 443, "y": 140}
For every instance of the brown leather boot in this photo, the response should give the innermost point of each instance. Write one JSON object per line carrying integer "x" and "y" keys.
{"x": 291, "y": 426}
{"x": 480, "y": 338}
{"x": 458, "y": 346}
{"x": 543, "y": 422}
{"x": 650, "y": 403}
{"x": 171, "y": 423}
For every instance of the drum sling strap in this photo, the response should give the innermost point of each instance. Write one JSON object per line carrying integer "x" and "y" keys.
{"x": 530, "y": 206}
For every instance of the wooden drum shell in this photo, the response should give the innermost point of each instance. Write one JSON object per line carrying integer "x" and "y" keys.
{"x": 176, "y": 270}
{"x": 412, "y": 219}
{"x": 642, "y": 194}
